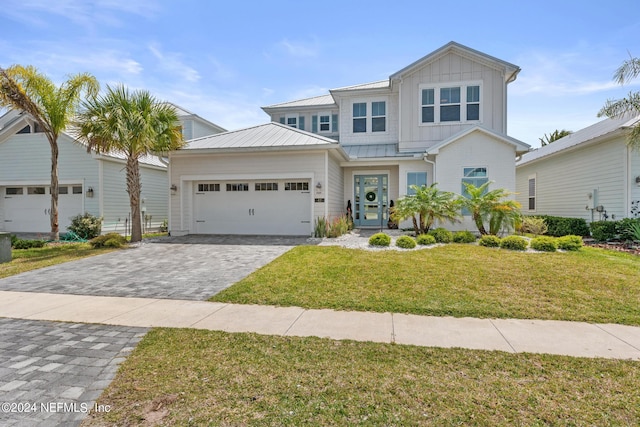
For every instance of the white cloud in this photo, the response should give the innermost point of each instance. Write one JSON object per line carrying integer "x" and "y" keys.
{"x": 299, "y": 49}
{"x": 173, "y": 63}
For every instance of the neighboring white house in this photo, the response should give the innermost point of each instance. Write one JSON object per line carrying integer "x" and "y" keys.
{"x": 590, "y": 174}
{"x": 88, "y": 182}
{"x": 441, "y": 119}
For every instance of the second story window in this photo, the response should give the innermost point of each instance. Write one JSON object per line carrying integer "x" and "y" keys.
{"x": 450, "y": 104}
{"x": 325, "y": 122}
{"x": 378, "y": 116}
{"x": 359, "y": 117}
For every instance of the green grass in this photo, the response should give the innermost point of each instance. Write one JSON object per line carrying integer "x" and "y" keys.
{"x": 181, "y": 377}
{"x": 453, "y": 280}
{"x": 52, "y": 254}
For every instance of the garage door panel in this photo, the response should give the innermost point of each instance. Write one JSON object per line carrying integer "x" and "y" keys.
{"x": 275, "y": 212}
{"x": 31, "y": 212}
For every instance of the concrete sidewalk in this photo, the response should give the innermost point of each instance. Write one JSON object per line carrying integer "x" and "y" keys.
{"x": 510, "y": 335}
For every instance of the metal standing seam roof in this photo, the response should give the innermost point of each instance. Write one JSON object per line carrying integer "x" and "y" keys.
{"x": 261, "y": 136}
{"x": 589, "y": 133}
{"x": 373, "y": 151}
{"x": 382, "y": 84}
{"x": 307, "y": 102}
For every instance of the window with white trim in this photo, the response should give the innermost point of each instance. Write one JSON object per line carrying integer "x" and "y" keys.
{"x": 476, "y": 176}
{"x": 324, "y": 124}
{"x": 415, "y": 178}
{"x": 291, "y": 121}
{"x": 378, "y": 116}
{"x": 450, "y": 103}
{"x": 359, "y": 117}
{"x": 532, "y": 192}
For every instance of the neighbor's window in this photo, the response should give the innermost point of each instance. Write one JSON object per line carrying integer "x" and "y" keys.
{"x": 450, "y": 104}
{"x": 77, "y": 189}
{"x": 475, "y": 176}
{"x": 378, "y": 116}
{"x": 13, "y": 191}
{"x": 62, "y": 190}
{"x": 415, "y": 178}
{"x": 532, "y": 193}
{"x": 359, "y": 117}
{"x": 35, "y": 190}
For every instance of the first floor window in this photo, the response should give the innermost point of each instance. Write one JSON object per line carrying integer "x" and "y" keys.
{"x": 415, "y": 178}
{"x": 359, "y": 117}
{"x": 476, "y": 177}
{"x": 532, "y": 193}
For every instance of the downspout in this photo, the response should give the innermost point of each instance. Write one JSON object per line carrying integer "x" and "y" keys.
{"x": 433, "y": 165}
{"x": 627, "y": 182}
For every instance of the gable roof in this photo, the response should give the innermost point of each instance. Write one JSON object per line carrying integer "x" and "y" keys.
{"x": 520, "y": 146}
{"x": 591, "y": 133}
{"x": 382, "y": 84}
{"x": 306, "y": 102}
{"x": 266, "y": 136}
{"x": 511, "y": 70}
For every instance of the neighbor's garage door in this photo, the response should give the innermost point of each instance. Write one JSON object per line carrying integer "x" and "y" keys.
{"x": 26, "y": 209}
{"x": 253, "y": 207}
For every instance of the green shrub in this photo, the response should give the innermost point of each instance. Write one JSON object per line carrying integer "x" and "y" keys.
{"x": 426, "y": 239}
{"x": 603, "y": 230}
{"x": 534, "y": 225}
{"x": 27, "y": 244}
{"x": 406, "y": 242}
{"x": 110, "y": 240}
{"x": 464, "y": 237}
{"x": 380, "y": 239}
{"x": 544, "y": 244}
{"x": 570, "y": 243}
{"x": 86, "y": 226}
{"x": 559, "y": 226}
{"x": 513, "y": 243}
{"x": 320, "y": 229}
{"x": 628, "y": 229}
{"x": 490, "y": 241}
{"x": 442, "y": 235}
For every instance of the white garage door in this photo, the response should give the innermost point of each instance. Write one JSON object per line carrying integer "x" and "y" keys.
{"x": 26, "y": 209}
{"x": 275, "y": 207}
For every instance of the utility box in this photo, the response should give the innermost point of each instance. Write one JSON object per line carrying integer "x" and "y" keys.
{"x": 5, "y": 247}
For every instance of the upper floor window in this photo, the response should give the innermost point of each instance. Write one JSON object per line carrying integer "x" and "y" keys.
{"x": 447, "y": 103}
{"x": 294, "y": 121}
{"x": 378, "y": 116}
{"x": 359, "y": 117}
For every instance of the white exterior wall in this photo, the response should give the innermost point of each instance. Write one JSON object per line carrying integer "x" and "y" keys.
{"x": 451, "y": 68}
{"x": 564, "y": 181}
{"x": 200, "y": 129}
{"x": 336, "y": 205}
{"x": 346, "y": 119}
{"x": 308, "y": 120}
{"x": 186, "y": 169}
{"x": 634, "y": 172}
{"x": 475, "y": 150}
{"x": 26, "y": 159}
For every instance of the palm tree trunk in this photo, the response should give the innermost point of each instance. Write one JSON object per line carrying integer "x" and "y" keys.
{"x": 55, "y": 227}
{"x": 477, "y": 218}
{"x": 133, "y": 188}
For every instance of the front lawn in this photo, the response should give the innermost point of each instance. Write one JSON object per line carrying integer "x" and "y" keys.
{"x": 183, "y": 377}
{"x": 453, "y": 280}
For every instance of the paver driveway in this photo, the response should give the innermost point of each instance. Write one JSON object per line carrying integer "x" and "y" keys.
{"x": 190, "y": 267}
{"x": 55, "y": 363}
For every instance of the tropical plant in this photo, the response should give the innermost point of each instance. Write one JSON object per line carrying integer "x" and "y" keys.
{"x": 534, "y": 225}
{"x": 554, "y": 136}
{"x": 629, "y": 106}
{"x": 51, "y": 107}
{"x": 135, "y": 124}
{"x": 634, "y": 231}
{"x": 406, "y": 242}
{"x": 426, "y": 206}
{"x": 86, "y": 226}
{"x": 490, "y": 206}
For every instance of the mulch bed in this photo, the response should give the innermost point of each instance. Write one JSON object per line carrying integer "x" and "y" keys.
{"x": 615, "y": 246}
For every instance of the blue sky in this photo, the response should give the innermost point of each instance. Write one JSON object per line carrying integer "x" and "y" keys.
{"x": 224, "y": 60}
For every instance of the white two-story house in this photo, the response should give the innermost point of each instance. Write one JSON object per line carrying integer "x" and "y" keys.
{"x": 441, "y": 119}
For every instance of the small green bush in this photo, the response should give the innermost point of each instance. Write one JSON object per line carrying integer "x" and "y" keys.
{"x": 426, "y": 239}
{"x": 534, "y": 225}
{"x": 406, "y": 242}
{"x": 464, "y": 237}
{"x": 380, "y": 239}
{"x": 603, "y": 230}
{"x": 513, "y": 243}
{"x": 442, "y": 235}
{"x": 110, "y": 240}
{"x": 544, "y": 244}
{"x": 27, "y": 244}
{"x": 490, "y": 241}
{"x": 570, "y": 243}
{"x": 559, "y": 226}
{"x": 86, "y": 226}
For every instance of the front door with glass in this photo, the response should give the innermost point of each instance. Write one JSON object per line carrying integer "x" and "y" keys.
{"x": 371, "y": 206}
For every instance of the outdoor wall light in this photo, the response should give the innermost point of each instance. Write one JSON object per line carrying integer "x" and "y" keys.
{"x": 90, "y": 192}
{"x": 638, "y": 180}
{"x": 173, "y": 187}
{"x": 319, "y": 185}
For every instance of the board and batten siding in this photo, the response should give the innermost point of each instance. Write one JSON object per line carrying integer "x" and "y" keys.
{"x": 475, "y": 150}
{"x": 347, "y": 136}
{"x": 451, "y": 69}
{"x": 564, "y": 182}
{"x": 115, "y": 199}
{"x": 189, "y": 168}
{"x": 336, "y": 206}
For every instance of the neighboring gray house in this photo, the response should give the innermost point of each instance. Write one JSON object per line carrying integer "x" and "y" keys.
{"x": 590, "y": 174}
{"x": 441, "y": 119}
{"x": 88, "y": 182}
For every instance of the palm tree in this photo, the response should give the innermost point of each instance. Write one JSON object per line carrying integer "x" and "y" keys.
{"x": 135, "y": 124}
{"x": 52, "y": 108}
{"x": 426, "y": 206}
{"x": 629, "y": 106}
{"x": 492, "y": 206}
{"x": 554, "y": 136}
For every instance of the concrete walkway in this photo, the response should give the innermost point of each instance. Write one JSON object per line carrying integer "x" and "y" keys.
{"x": 510, "y": 335}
